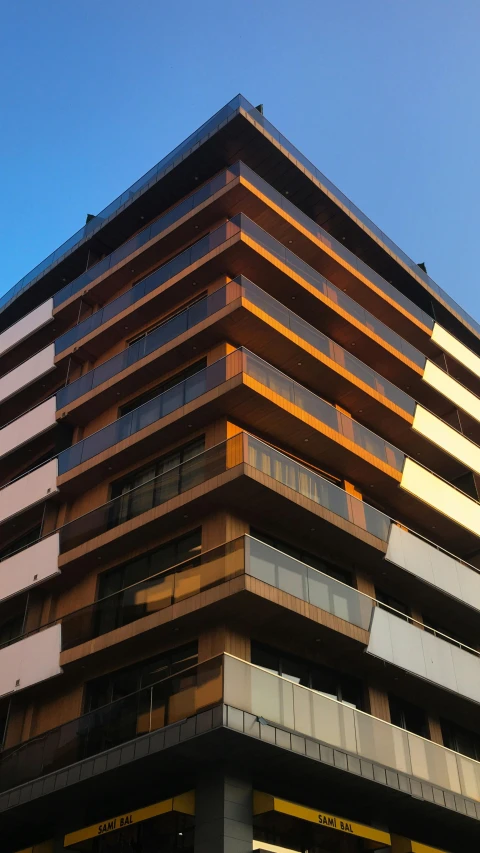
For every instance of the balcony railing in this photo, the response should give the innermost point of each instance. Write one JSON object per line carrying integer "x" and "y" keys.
{"x": 300, "y": 709}
{"x": 245, "y": 555}
{"x": 179, "y": 263}
{"x": 146, "y": 234}
{"x": 207, "y": 307}
{"x": 158, "y": 705}
{"x": 242, "y": 448}
{"x": 271, "y": 699}
{"x": 240, "y": 224}
{"x": 319, "y": 233}
{"x": 239, "y": 362}
{"x": 334, "y": 294}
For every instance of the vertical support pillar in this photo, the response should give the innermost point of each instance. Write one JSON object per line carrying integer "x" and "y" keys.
{"x": 223, "y": 814}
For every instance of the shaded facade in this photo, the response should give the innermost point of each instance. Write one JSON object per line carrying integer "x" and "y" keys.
{"x": 239, "y": 524}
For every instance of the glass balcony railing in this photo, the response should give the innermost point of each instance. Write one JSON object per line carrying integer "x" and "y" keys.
{"x": 137, "y": 714}
{"x": 207, "y": 307}
{"x": 300, "y": 709}
{"x": 146, "y": 234}
{"x": 240, "y": 223}
{"x": 320, "y": 234}
{"x": 331, "y": 189}
{"x": 160, "y": 336}
{"x": 211, "y": 463}
{"x": 316, "y": 488}
{"x": 240, "y": 361}
{"x": 322, "y": 285}
{"x": 277, "y": 311}
{"x": 168, "y": 162}
{"x": 245, "y": 555}
{"x": 147, "y": 285}
{"x": 248, "y": 688}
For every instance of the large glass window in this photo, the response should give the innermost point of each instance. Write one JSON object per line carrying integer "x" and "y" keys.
{"x": 157, "y": 489}
{"x": 116, "y": 685}
{"x": 125, "y": 589}
{"x": 408, "y": 716}
{"x": 460, "y": 739}
{"x": 21, "y": 542}
{"x": 336, "y": 685}
{"x": 164, "y": 386}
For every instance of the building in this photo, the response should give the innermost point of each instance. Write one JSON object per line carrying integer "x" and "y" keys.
{"x": 239, "y": 524}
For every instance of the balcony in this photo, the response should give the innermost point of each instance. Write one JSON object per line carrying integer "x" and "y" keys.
{"x": 30, "y": 660}
{"x": 245, "y": 556}
{"x": 147, "y": 710}
{"x": 26, "y": 327}
{"x": 27, "y": 373}
{"x": 425, "y": 654}
{"x": 30, "y": 566}
{"x": 434, "y": 567}
{"x": 31, "y": 489}
{"x": 265, "y": 253}
{"x": 179, "y": 264}
{"x": 261, "y": 378}
{"x": 27, "y": 427}
{"x": 218, "y": 466}
{"x": 242, "y": 687}
{"x": 99, "y": 279}
{"x": 300, "y": 709}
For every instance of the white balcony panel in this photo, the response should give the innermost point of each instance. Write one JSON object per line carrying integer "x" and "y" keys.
{"x": 29, "y": 490}
{"x": 302, "y": 710}
{"x": 456, "y": 349}
{"x": 452, "y": 390}
{"x": 444, "y": 436}
{"x": 440, "y": 495}
{"x": 30, "y": 660}
{"x": 27, "y": 426}
{"x": 424, "y": 654}
{"x": 26, "y": 326}
{"x": 27, "y": 372}
{"x": 426, "y": 562}
{"x": 30, "y": 566}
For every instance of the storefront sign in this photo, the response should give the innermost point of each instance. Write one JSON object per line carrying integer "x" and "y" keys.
{"x": 266, "y": 803}
{"x": 184, "y": 803}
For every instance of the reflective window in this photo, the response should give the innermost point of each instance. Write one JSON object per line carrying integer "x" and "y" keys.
{"x": 460, "y": 739}
{"x": 115, "y": 685}
{"x": 336, "y": 685}
{"x": 408, "y": 716}
{"x": 164, "y": 386}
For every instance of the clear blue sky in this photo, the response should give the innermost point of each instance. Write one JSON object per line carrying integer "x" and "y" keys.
{"x": 382, "y": 95}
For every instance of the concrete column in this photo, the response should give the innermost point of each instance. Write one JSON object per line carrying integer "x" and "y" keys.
{"x": 223, "y": 814}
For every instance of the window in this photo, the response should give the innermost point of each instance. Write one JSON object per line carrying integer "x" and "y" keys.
{"x": 408, "y": 716}
{"x": 328, "y": 568}
{"x": 133, "y": 588}
{"x": 184, "y": 308}
{"x": 12, "y": 628}
{"x": 331, "y": 683}
{"x": 390, "y": 601}
{"x": 21, "y": 542}
{"x": 460, "y": 739}
{"x": 157, "y": 489}
{"x": 164, "y": 386}
{"x": 116, "y": 685}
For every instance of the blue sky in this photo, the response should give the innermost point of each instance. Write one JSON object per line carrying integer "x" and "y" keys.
{"x": 382, "y": 95}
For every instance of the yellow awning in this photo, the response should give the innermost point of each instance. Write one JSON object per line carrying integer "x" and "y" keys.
{"x": 267, "y": 803}
{"x": 184, "y": 803}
